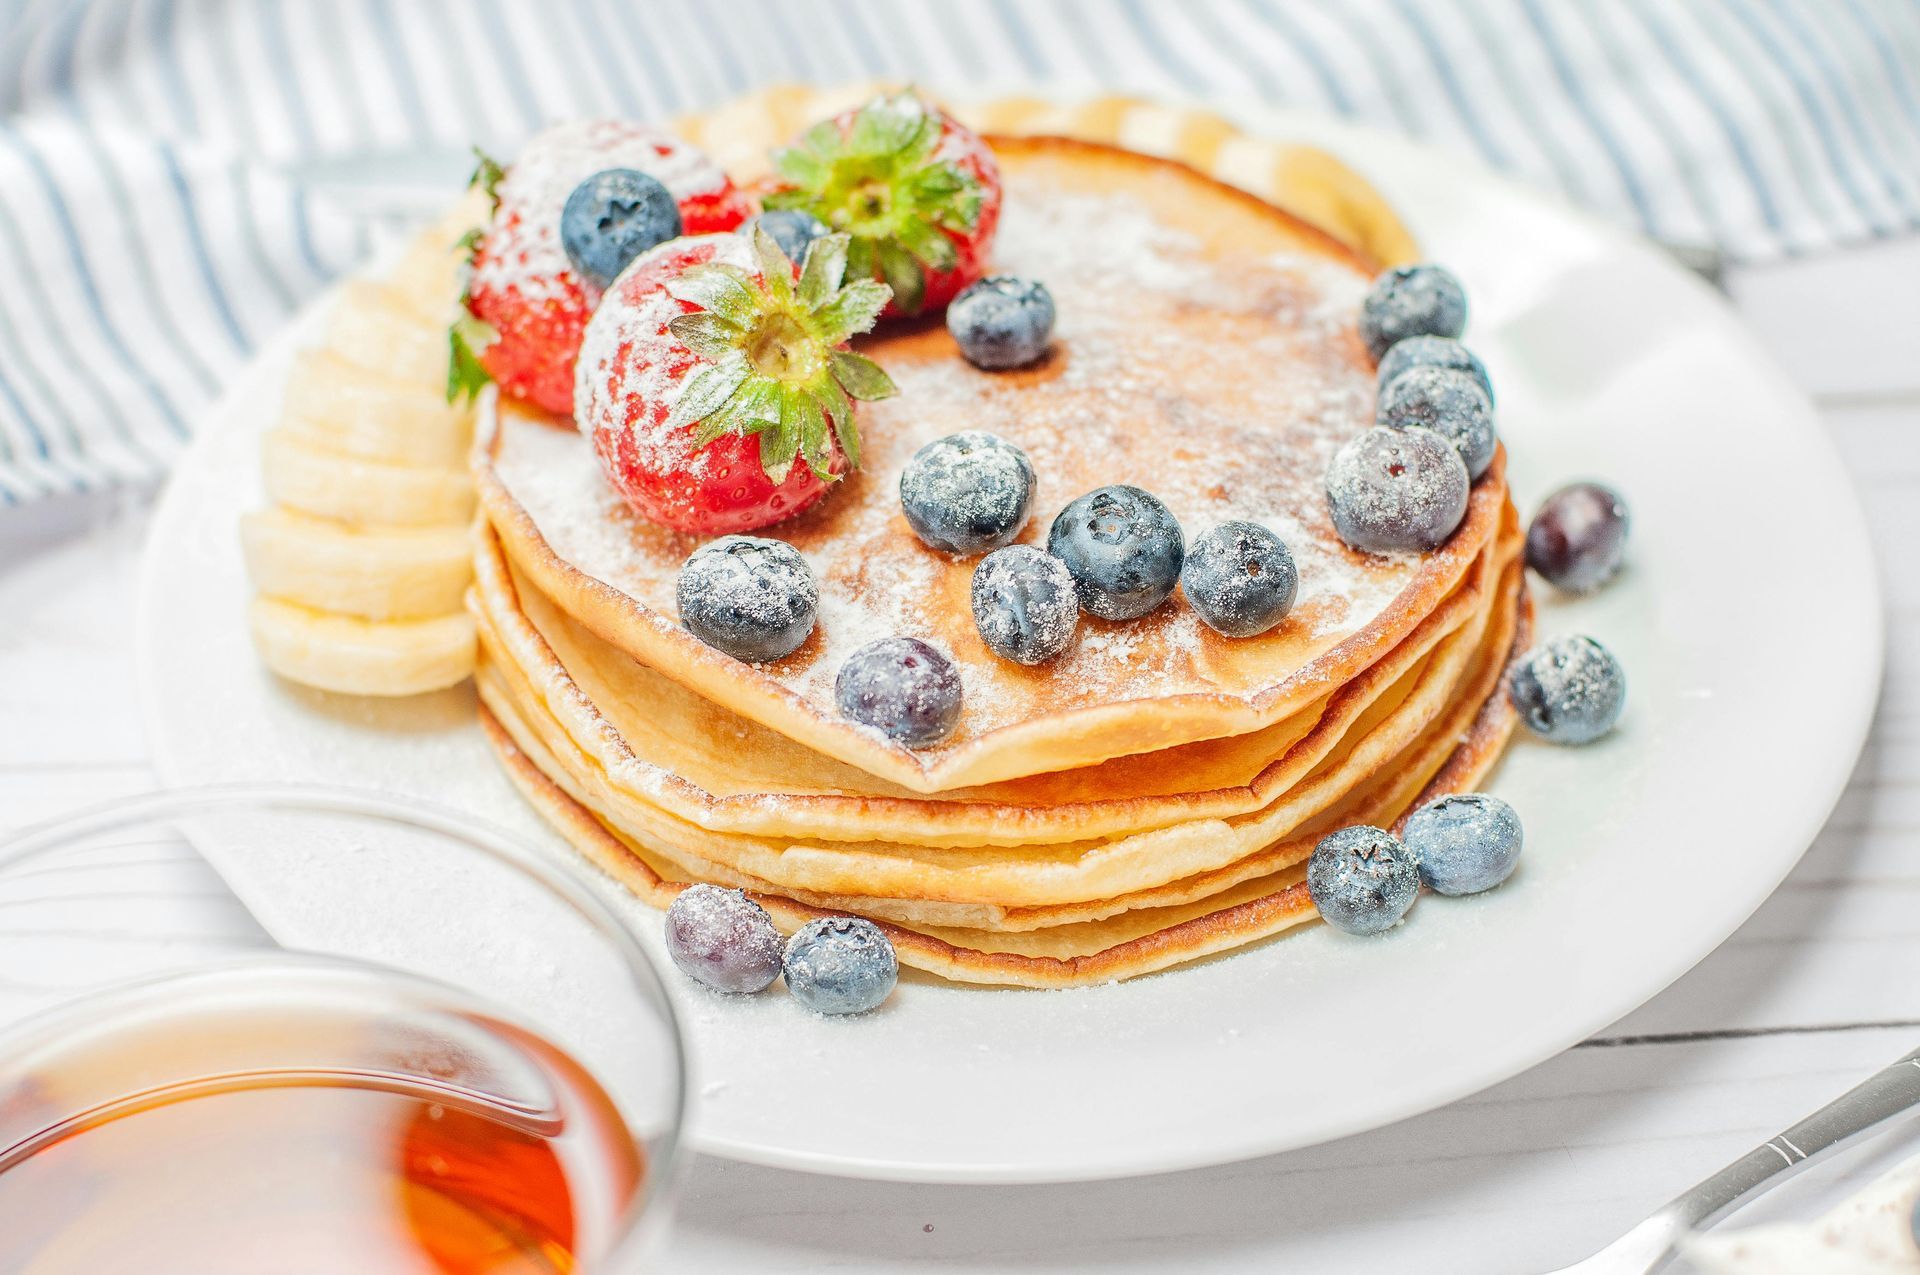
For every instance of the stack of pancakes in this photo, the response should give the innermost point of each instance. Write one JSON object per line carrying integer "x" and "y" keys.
{"x": 1148, "y": 798}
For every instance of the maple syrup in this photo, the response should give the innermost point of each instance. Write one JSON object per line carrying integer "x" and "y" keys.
{"x": 304, "y": 1119}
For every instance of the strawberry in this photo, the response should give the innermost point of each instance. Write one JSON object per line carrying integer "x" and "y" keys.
{"x": 918, "y": 193}
{"x": 714, "y": 367}
{"x": 526, "y": 305}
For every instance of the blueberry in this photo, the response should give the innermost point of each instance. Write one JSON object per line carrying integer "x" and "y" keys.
{"x": 1433, "y": 351}
{"x": 1393, "y": 490}
{"x": 792, "y": 228}
{"x": 1417, "y": 300}
{"x": 1448, "y": 402}
{"x": 752, "y": 598}
{"x": 1362, "y": 879}
{"x": 723, "y": 939}
{"x": 1239, "y": 578}
{"x": 967, "y": 493}
{"x": 1024, "y": 604}
{"x": 1579, "y": 538}
{"x": 1002, "y": 322}
{"x": 1570, "y": 691}
{"x": 841, "y": 965}
{"x": 613, "y": 217}
{"x": 1124, "y": 549}
{"x": 1464, "y": 843}
{"x": 902, "y": 688}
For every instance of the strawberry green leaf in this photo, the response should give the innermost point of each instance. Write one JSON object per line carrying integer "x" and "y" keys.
{"x": 725, "y": 290}
{"x": 838, "y": 409}
{"x": 775, "y": 269}
{"x": 487, "y": 176}
{"x": 706, "y": 334}
{"x": 778, "y": 447}
{"x": 824, "y": 269}
{"x": 928, "y": 245}
{"x": 709, "y": 390}
{"x": 851, "y": 311}
{"x": 903, "y": 274}
{"x": 861, "y": 377}
{"x": 466, "y": 374}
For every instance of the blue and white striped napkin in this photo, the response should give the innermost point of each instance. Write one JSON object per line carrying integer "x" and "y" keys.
{"x": 165, "y": 199}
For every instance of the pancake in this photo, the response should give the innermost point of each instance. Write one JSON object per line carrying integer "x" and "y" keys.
{"x": 1454, "y": 677}
{"x": 1206, "y": 349}
{"x": 663, "y": 744}
{"x": 1268, "y": 899}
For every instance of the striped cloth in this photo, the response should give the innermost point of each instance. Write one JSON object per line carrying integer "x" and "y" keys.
{"x": 165, "y": 198}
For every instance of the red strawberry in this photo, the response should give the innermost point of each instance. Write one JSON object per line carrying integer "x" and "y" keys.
{"x": 528, "y": 306}
{"x": 918, "y": 193}
{"x": 712, "y": 366}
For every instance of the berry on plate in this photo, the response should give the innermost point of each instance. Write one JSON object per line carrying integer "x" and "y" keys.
{"x": 1433, "y": 351}
{"x": 1570, "y": 691}
{"x": 791, "y": 228}
{"x": 613, "y": 217}
{"x": 723, "y": 939}
{"x": 1124, "y": 549}
{"x": 1397, "y": 490}
{"x": 841, "y": 965}
{"x": 918, "y": 192}
{"x": 718, "y": 390}
{"x": 968, "y": 492}
{"x": 1239, "y": 578}
{"x": 1002, "y": 322}
{"x": 1362, "y": 879}
{"x": 901, "y": 687}
{"x": 1417, "y": 300}
{"x": 750, "y": 598}
{"x": 1465, "y": 843}
{"x": 526, "y": 303}
{"x": 1448, "y": 402}
{"x": 1579, "y": 538}
{"x": 1024, "y": 604}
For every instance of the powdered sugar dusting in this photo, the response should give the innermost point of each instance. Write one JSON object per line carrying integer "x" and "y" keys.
{"x": 524, "y": 251}
{"x": 1222, "y": 385}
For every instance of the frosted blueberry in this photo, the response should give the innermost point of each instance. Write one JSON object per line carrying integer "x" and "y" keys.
{"x": 1024, "y": 604}
{"x": 902, "y": 688}
{"x": 1397, "y": 490}
{"x": 1448, "y": 402}
{"x": 749, "y": 597}
{"x": 1433, "y": 351}
{"x": 1239, "y": 578}
{"x": 967, "y": 493}
{"x": 1579, "y": 538}
{"x": 792, "y": 228}
{"x": 1417, "y": 300}
{"x": 1464, "y": 843}
{"x": 1124, "y": 549}
{"x": 1362, "y": 879}
{"x": 1570, "y": 691}
{"x": 1002, "y": 322}
{"x": 841, "y": 965}
{"x": 723, "y": 939}
{"x": 611, "y": 218}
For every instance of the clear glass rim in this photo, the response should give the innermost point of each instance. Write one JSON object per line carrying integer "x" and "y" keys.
{"x": 49, "y": 837}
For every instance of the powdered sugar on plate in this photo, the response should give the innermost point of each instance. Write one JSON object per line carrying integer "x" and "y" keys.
{"x": 1221, "y": 385}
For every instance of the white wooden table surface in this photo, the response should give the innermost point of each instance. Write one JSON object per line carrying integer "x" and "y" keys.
{"x": 1822, "y": 986}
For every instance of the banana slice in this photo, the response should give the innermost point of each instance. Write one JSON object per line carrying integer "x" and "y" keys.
{"x": 330, "y": 484}
{"x": 429, "y": 278}
{"x": 362, "y": 657}
{"x": 339, "y": 405}
{"x": 375, "y": 326}
{"x": 376, "y": 573}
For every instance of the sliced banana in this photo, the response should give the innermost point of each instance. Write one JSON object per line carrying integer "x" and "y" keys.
{"x": 330, "y": 484}
{"x": 429, "y": 276}
{"x": 376, "y": 573}
{"x": 362, "y": 657}
{"x": 344, "y": 406}
{"x": 375, "y": 326}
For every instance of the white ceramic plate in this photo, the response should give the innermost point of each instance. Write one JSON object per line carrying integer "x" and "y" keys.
{"x": 1749, "y": 622}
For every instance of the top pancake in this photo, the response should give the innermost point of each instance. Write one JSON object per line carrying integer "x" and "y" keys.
{"x": 1206, "y": 350}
